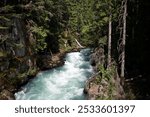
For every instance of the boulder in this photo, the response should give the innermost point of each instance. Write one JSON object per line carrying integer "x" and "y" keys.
{"x": 6, "y": 95}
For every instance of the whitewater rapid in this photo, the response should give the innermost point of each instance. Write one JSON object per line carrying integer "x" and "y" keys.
{"x": 62, "y": 83}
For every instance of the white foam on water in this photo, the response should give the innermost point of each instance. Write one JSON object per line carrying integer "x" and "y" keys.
{"x": 66, "y": 82}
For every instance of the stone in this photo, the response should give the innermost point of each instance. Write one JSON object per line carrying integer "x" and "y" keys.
{"x": 5, "y": 94}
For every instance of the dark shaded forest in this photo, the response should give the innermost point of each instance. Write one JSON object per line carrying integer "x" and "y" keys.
{"x": 137, "y": 55}
{"x": 35, "y": 35}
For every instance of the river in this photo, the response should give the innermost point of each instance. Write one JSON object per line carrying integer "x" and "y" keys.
{"x": 61, "y": 83}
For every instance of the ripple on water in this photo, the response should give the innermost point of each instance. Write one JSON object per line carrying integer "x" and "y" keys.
{"x": 62, "y": 83}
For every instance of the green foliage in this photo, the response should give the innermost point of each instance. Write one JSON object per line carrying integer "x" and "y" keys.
{"x": 88, "y": 20}
{"x": 3, "y": 54}
{"x": 105, "y": 73}
{"x": 105, "y": 79}
{"x": 18, "y": 46}
{"x": 3, "y": 28}
{"x": 40, "y": 34}
{"x": 7, "y": 8}
{"x": 2, "y": 75}
{"x": 22, "y": 75}
{"x": 103, "y": 40}
{"x": 4, "y": 18}
{"x": 32, "y": 71}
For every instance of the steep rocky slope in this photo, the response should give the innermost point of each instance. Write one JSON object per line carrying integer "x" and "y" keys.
{"x": 105, "y": 83}
{"x": 21, "y": 52}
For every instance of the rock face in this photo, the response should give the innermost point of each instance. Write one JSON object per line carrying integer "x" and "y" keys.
{"x": 104, "y": 84}
{"x": 18, "y": 60}
{"x": 97, "y": 58}
{"x": 14, "y": 57}
{"x": 6, "y": 95}
{"x": 50, "y": 61}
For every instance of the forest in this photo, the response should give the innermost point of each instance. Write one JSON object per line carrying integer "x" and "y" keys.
{"x": 35, "y": 36}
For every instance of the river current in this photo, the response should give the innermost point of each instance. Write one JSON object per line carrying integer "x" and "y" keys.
{"x": 61, "y": 83}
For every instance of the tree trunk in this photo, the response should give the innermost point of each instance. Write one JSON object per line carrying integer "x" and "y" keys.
{"x": 124, "y": 40}
{"x": 109, "y": 41}
{"x": 78, "y": 43}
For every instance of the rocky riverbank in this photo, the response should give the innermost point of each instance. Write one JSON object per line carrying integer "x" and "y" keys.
{"x": 104, "y": 84}
{"x": 21, "y": 55}
{"x": 13, "y": 80}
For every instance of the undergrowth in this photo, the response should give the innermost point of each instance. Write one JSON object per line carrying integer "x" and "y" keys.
{"x": 105, "y": 79}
